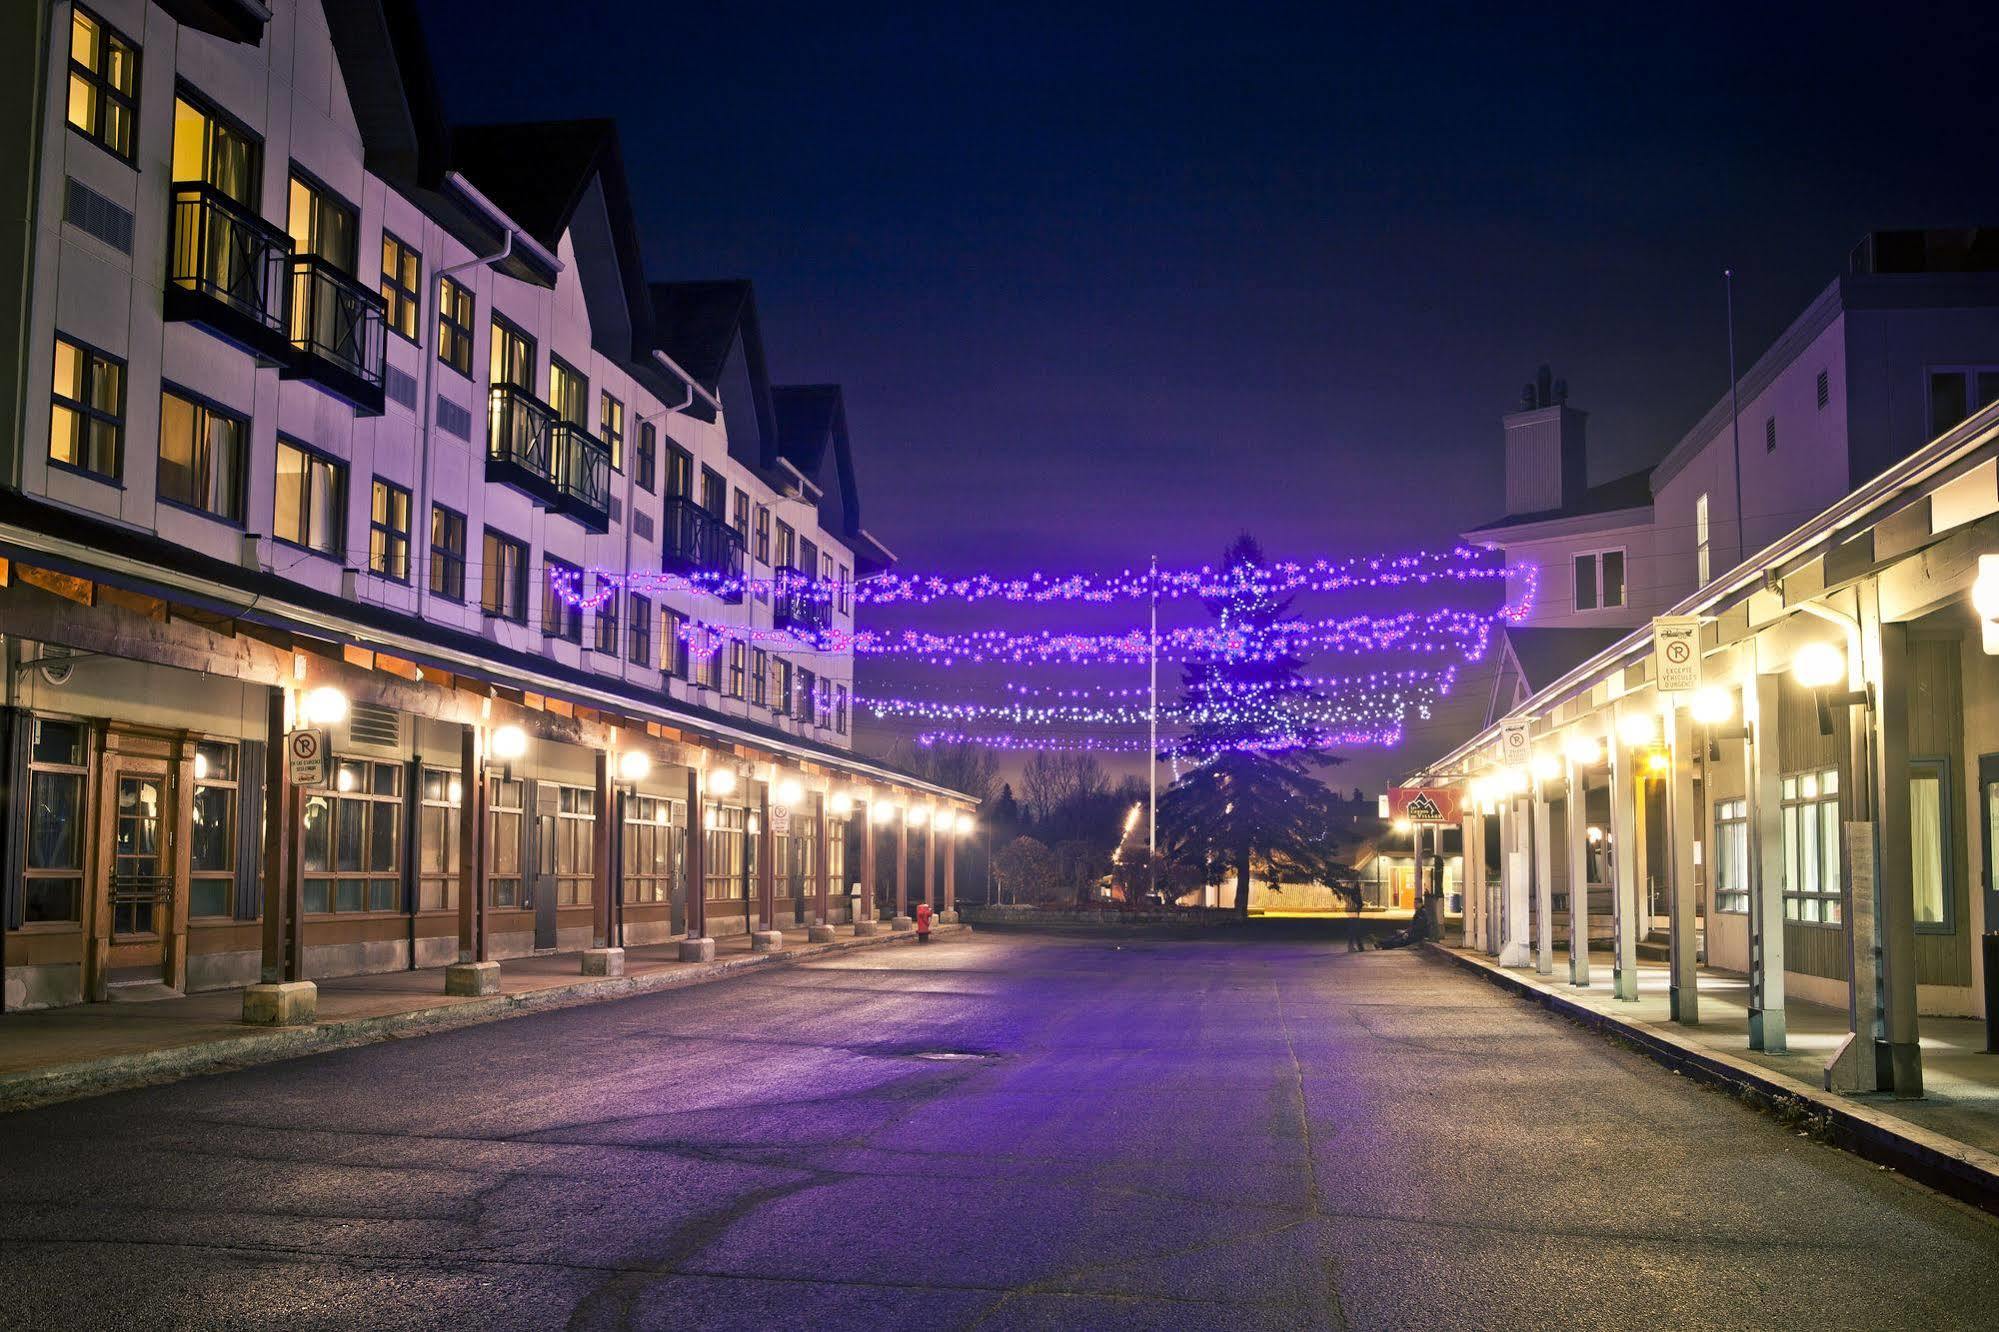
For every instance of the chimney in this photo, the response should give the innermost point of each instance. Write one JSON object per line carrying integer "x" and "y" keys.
{"x": 1547, "y": 461}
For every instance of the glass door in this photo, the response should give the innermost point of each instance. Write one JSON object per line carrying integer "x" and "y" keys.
{"x": 140, "y": 872}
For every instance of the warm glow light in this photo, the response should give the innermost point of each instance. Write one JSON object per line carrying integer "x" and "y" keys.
{"x": 1985, "y": 591}
{"x": 455, "y": 792}
{"x": 1478, "y": 790}
{"x": 1637, "y": 728}
{"x": 840, "y": 804}
{"x": 1546, "y": 768}
{"x": 789, "y": 793}
{"x": 1658, "y": 761}
{"x": 325, "y": 706}
{"x": 917, "y": 816}
{"x": 1595, "y": 834}
{"x": 1818, "y": 665}
{"x": 1584, "y": 750}
{"x": 1712, "y": 705}
{"x": 964, "y": 825}
{"x": 344, "y": 779}
{"x": 1403, "y": 825}
{"x": 509, "y": 743}
{"x": 722, "y": 781}
{"x": 1516, "y": 781}
{"x": 633, "y": 765}
{"x": 1131, "y": 819}
{"x": 200, "y": 765}
{"x": 882, "y": 811}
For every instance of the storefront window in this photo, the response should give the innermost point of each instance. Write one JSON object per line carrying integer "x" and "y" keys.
{"x": 575, "y": 844}
{"x": 503, "y": 834}
{"x": 53, "y": 864}
{"x": 1929, "y": 842}
{"x": 438, "y": 841}
{"x": 212, "y": 832}
{"x": 726, "y": 852}
{"x": 1811, "y": 847}
{"x": 655, "y": 848}
{"x": 1731, "y": 855}
{"x": 352, "y": 834}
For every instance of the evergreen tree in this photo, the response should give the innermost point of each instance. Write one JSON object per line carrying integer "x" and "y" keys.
{"x": 1251, "y": 796}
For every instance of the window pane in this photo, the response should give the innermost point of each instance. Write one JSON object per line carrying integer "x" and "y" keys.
{"x": 209, "y": 897}
{"x": 1585, "y": 577}
{"x": 212, "y": 837}
{"x": 1947, "y": 406}
{"x": 1926, "y": 833}
{"x": 1613, "y": 578}
{"x": 55, "y": 808}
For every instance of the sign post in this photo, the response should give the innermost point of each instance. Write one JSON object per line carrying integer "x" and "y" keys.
{"x": 305, "y": 758}
{"x": 1676, "y": 653}
{"x": 1516, "y": 745}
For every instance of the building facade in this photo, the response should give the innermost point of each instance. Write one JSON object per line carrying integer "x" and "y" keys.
{"x": 314, "y": 396}
{"x": 1818, "y": 813}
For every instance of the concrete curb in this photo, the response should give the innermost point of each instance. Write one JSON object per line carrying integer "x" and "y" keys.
{"x": 95, "y": 1077}
{"x": 1951, "y": 1167}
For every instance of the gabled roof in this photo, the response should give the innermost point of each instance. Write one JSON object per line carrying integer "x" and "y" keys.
{"x": 1630, "y": 491}
{"x": 1546, "y": 655}
{"x": 536, "y": 170}
{"x": 696, "y": 323}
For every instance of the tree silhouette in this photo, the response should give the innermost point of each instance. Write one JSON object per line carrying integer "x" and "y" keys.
{"x": 1252, "y": 796}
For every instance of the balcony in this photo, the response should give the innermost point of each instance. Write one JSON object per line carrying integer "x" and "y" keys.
{"x": 227, "y": 271}
{"x": 582, "y": 476}
{"x": 521, "y": 444}
{"x": 338, "y": 333}
{"x": 695, "y": 541}
{"x": 797, "y": 606}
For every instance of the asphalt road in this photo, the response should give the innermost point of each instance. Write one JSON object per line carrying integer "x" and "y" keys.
{"x": 1146, "y": 1134}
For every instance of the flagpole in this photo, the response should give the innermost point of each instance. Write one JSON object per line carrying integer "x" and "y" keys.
{"x": 1152, "y": 744}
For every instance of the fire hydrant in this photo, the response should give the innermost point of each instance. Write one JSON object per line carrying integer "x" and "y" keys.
{"x": 923, "y": 922}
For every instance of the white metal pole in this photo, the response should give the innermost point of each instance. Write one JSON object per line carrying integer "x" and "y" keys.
{"x": 1152, "y": 720}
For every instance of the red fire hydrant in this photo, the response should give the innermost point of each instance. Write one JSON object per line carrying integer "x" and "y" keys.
{"x": 923, "y": 922}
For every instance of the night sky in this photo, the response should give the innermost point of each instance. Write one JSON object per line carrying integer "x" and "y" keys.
{"x": 1108, "y": 284}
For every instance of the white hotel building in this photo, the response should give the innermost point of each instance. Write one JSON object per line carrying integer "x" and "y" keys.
{"x": 308, "y": 390}
{"x": 1831, "y": 556}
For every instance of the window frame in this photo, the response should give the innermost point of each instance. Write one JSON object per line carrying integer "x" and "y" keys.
{"x": 215, "y": 116}
{"x": 451, "y": 561}
{"x": 560, "y": 619}
{"x": 638, "y": 629}
{"x": 646, "y": 455}
{"x": 674, "y": 660}
{"x": 233, "y": 784}
{"x": 81, "y": 774}
{"x": 1596, "y": 558}
{"x": 560, "y": 368}
{"x": 102, "y": 90}
{"x": 379, "y": 806}
{"x": 515, "y": 588}
{"x": 1731, "y": 821}
{"x": 338, "y": 467}
{"x": 85, "y": 412}
{"x": 606, "y": 617}
{"x": 1969, "y": 377}
{"x": 450, "y": 333}
{"x": 762, "y": 547}
{"x": 1937, "y": 767}
{"x": 323, "y": 196}
{"x": 610, "y": 409}
{"x": 504, "y": 332}
{"x": 437, "y": 890}
{"x": 1796, "y": 897}
{"x": 654, "y": 848}
{"x": 205, "y": 406}
{"x": 1703, "y": 543}
{"x": 395, "y": 295}
{"x": 385, "y": 538}
{"x": 573, "y": 857}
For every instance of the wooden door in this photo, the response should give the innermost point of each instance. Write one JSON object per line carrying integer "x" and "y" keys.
{"x": 136, "y": 869}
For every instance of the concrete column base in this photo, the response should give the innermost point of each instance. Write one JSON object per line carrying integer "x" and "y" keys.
{"x": 472, "y": 978}
{"x": 819, "y": 934}
{"x": 767, "y": 941}
{"x": 697, "y": 950}
{"x": 864, "y": 929}
{"x": 604, "y": 962}
{"x": 902, "y": 924}
{"x": 290, "y": 1004}
{"x": 947, "y": 918}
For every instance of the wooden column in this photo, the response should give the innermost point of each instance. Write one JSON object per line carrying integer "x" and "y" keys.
{"x": 766, "y": 861}
{"x": 1575, "y": 827}
{"x": 951, "y": 871}
{"x": 607, "y": 881}
{"x": 823, "y": 909}
{"x": 1627, "y": 850}
{"x": 902, "y": 865}
{"x": 929, "y": 860}
{"x": 471, "y": 847}
{"x": 1544, "y": 882}
{"x": 864, "y": 820}
{"x": 1893, "y": 888}
{"x": 1684, "y": 824}
{"x": 282, "y": 960}
{"x": 695, "y": 890}
{"x": 1763, "y": 782}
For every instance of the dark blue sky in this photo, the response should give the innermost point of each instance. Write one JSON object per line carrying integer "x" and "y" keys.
{"x": 1105, "y": 283}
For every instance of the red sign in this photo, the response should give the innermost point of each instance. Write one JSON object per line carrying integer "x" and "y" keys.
{"x": 1425, "y": 804}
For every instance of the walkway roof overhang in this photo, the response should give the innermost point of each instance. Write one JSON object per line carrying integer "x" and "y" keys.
{"x": 1872, "y": 526}
{"x": 75, "y": 543}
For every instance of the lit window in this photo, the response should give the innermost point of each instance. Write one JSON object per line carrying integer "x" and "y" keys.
{"x": 611, "y": 426}
{"x": 1811, "y": 847}
{"x": 351, "y": 840}
{"x": 504, "y": 578}
{"x": 454, "y": 326}
{"x": 447, "y": 552}
{"x": 201, "y": 456}
{"x": 1731, "y": 855}
{"x": 87, "y": 411}
{"x": 212, "y": 831}
{"x": 311, "y": 503}
{"x": 103, "y": 81}
{"x": 389, "y": 531}
{"x": 1929, "y": 842}
{"x": 561, "y": 617}
{"x": 639, "y": 650}
{"x": 401, "y": 270}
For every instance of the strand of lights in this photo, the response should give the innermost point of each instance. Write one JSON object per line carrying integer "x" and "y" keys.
{"x": 591, "y": 588}
{"x": 1291, "y": 710}
{"x": 1438, "y": 631}
{"x": 1276, "y": 743}
{"x": 1445, "y": 678}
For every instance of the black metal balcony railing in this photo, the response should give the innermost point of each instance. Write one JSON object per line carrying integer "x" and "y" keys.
{"x": 583, "y": 475}
{"x": 796, "y": 605}
{"x": 520, "y": 443}
{"x": 227, "y": 270}
{"x": 694, "y": 541}
{"x": 339, "y": 332}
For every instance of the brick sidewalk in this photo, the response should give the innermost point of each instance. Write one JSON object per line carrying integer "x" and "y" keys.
{"x": 85, "y": 1049}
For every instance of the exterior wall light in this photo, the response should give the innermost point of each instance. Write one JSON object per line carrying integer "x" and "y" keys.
{"x": 722, "y": 781}
{"x": 1712, "y": 705}
{"x": 840, "y": 804}
{"x": 917, "y": 816}
{"x": 1818, "y": 667}
{"x": 1985, "y": 600}
{"x": 509, "y": 743}
{"x": 633, "y": 766}
{"x": 1516, "y": 781}
{"x": 1402, "y": 827}
{"x": 1658, "y": 760}
{"x": 325, "y": 706}
{"x": 1546, "y": 768}
{"x": 1585, "y": 751}
{"x": 1637, "y": 729}
{"x": 882, "y": 811}
{"x": 789, "y": 793}
{"x": 965, "y": 824}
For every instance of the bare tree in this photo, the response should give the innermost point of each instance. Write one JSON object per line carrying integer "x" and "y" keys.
{"x": 1052, "y": 781}
{"x": 964, "y": 766}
